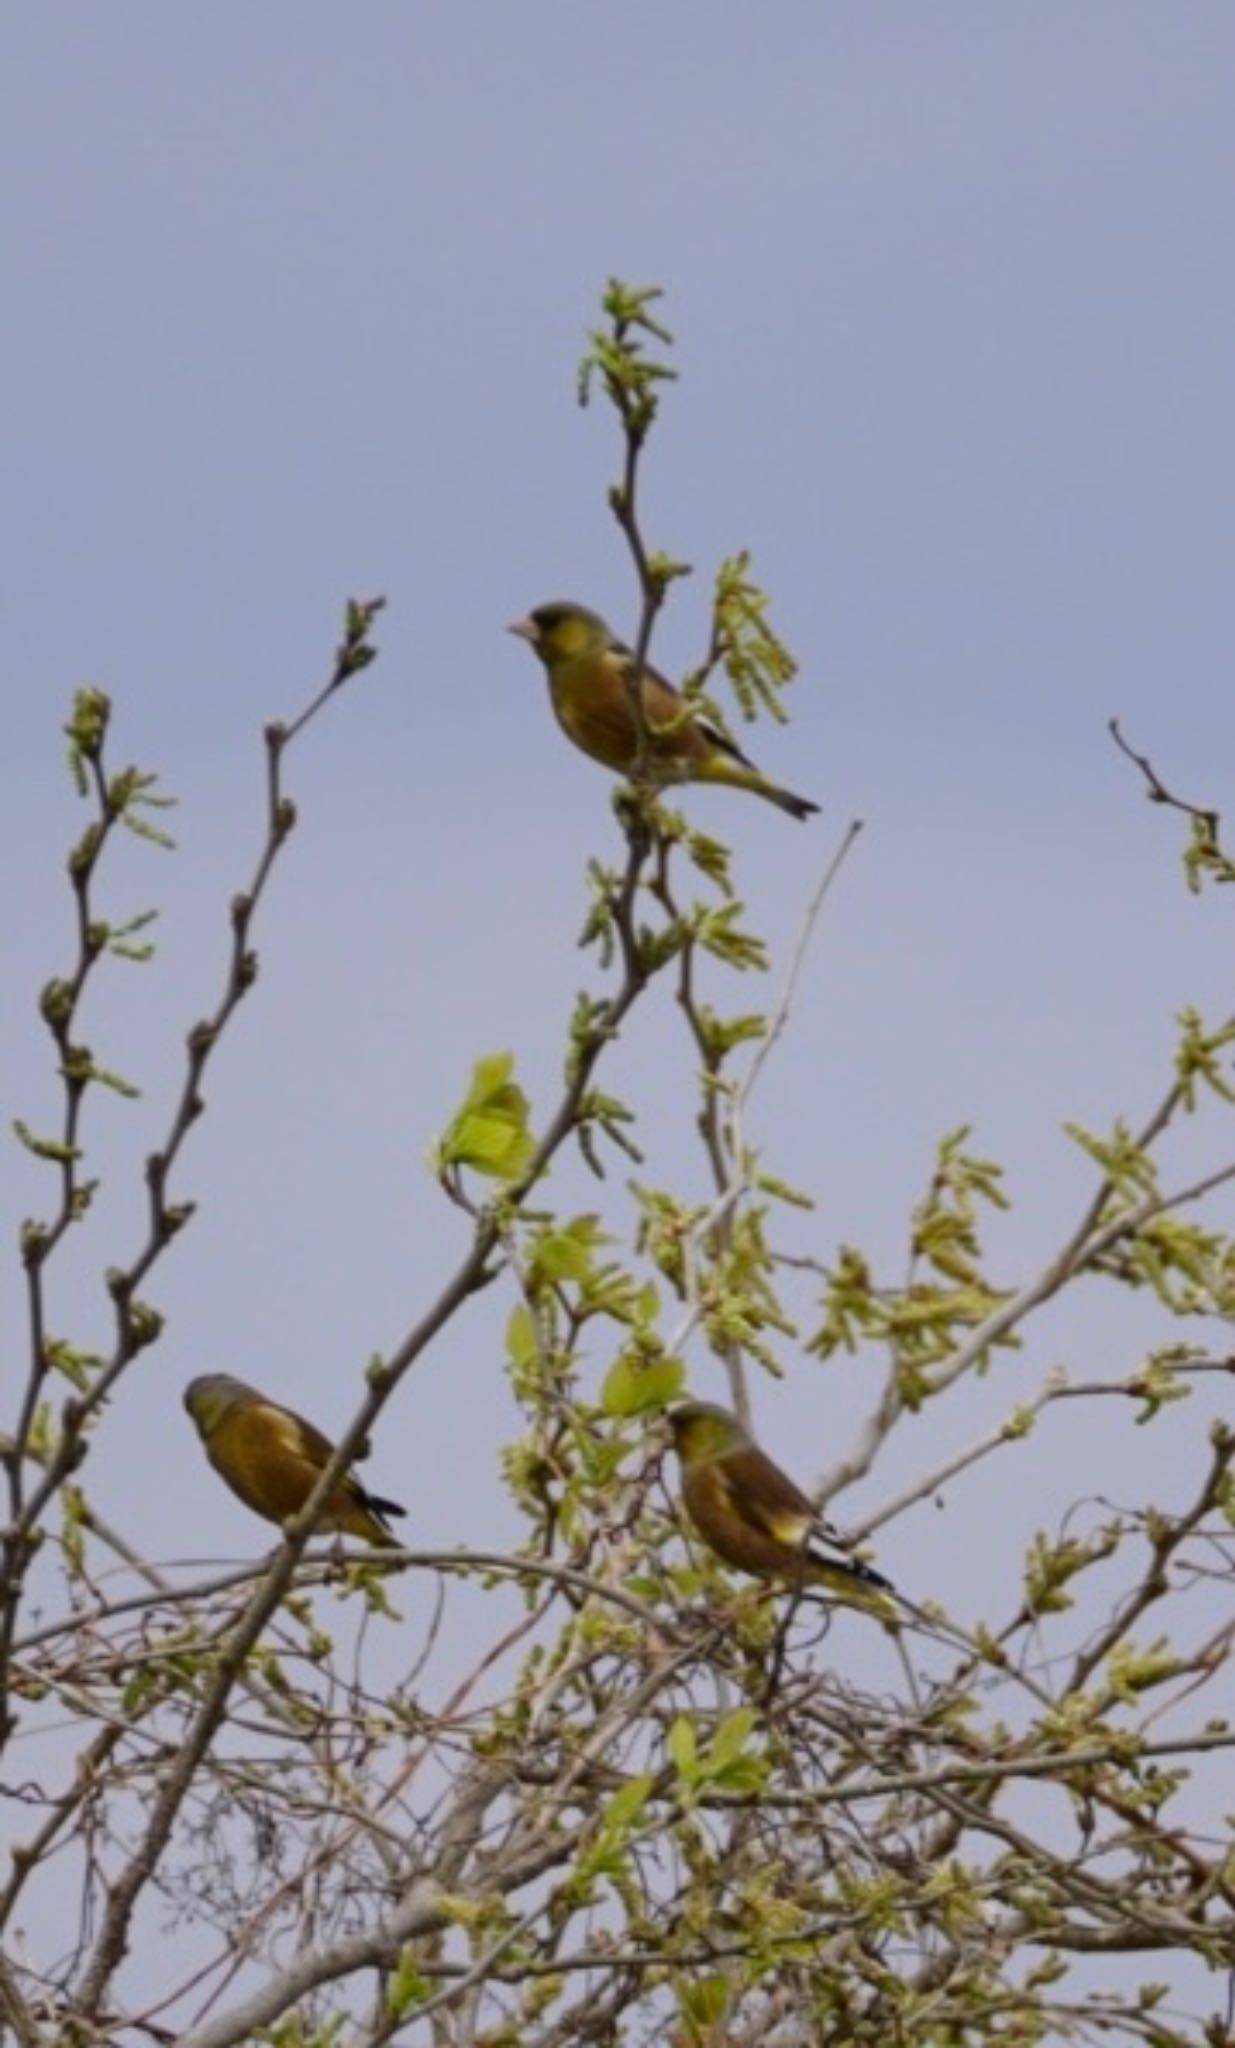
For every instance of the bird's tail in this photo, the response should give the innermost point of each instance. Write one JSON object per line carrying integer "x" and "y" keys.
{"x": 375, "y": 1514}
{"x": 797, "y": 806}
{"x": 740, "y": 775}
{"x": 856, "y": 1584}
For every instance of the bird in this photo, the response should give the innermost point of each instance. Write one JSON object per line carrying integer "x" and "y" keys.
{"x": 588, "y": 669}
{"x": 754, "y": 1517}
{"x": 272, "y": 1458}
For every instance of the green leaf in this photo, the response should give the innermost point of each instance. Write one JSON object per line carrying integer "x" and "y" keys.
{"x": 522, "y": 1338}
{"x": 45, "y": 1148}
{"x": 77, "y": 1366}
{"x": 730, "y": 1738}
{"x": 633, "y": 1388}
{"x": 107, "y": 1079}
{"x": 684, "y": 1750}
{"x": 627, "y": 1803}
{"x": 756, "y": 660}
{"x": 490, "y": 1131}
{"x": 705, "y": 2004}
{"x": 408, "y": 1986}
{"x": 86, "y": 731}
{"x": 647, "y": 1303}
{"x": 566, "y": 1253}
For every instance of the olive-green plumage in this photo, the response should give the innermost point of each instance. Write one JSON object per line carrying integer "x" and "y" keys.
{"x": 272, "y": 1458}
{"x": 753, "y": 1516}
{"x": 588, "y": 668}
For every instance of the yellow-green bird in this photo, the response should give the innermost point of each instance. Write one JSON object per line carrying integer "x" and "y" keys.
{"x": 272, "y": 1458}
{"x": 753, "y": 1516}
{"x": 588, "y": 667}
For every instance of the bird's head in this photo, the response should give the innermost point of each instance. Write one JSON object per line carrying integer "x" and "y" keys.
{"x": 209, "y": 1398}
{"x": 702, "y": 1430}
{"x": 563, "y": 632}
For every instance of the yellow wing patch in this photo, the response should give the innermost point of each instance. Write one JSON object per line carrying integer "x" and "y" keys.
{"x": 285, "y": 1433}
{"x": 788, "y": 1525}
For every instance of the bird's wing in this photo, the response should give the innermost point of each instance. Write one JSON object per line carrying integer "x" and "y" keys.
{"x": 766, "y": 1497}
{"x": 283, "y": 1453}
{"x": 662, "y": 704}
{"x": 774, "y": 1504}
{"x": 300, "y": 1440}
{"x": 288, "y": 1432}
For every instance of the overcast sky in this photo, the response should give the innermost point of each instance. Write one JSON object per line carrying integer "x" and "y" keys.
{"x": 293, "y": 297}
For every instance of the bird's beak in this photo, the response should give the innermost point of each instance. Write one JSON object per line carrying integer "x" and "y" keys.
{"x": 525, "y": 629}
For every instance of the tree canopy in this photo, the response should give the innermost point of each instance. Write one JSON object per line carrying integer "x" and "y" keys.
{"x": 667, "y": 1803}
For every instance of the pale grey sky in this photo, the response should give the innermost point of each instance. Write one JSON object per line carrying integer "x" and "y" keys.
{"x": 293, "y": 304}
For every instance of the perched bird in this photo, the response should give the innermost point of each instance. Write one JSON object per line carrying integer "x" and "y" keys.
{"x": 753, "y": 1516}
{"x": 273, "y": 1458}
{"x": 588, "y": 667}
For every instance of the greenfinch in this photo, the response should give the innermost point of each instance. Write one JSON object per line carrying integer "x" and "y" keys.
{"x": 272, "y": 1458}
{"x": 753, "y": 1516}
{"x": 588, "y": 667}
